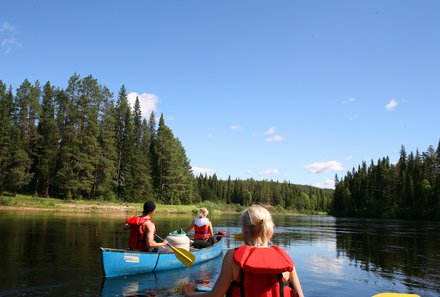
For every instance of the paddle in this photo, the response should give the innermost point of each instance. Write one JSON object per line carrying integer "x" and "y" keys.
{"x": 235, "y": 236}
{"x": 181, "y": 254}
{"x": 395, "y": 295}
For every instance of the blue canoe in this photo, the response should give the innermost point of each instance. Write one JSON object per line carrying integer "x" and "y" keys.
{"x": 117, "y": 262}
{"x": 162, "y": 283}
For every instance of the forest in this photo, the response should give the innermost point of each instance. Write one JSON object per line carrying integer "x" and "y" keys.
{"x": 82, "y": 143}
{"x": 409, "y": 189}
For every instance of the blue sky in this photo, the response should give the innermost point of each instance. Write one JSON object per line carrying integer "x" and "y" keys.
{"x": 285, "y": 90}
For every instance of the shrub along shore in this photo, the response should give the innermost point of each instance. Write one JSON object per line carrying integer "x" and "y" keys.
{"x": 29, "y": 203}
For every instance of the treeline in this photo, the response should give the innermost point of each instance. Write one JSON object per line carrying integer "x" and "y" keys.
{"x": 76, "y": 143}
{"x": 409, "y": 189}
{"x": 301, "y": 198}
{"x": 80, "y": 143}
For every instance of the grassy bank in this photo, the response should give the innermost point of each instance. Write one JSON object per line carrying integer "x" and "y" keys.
{"x": 24, "y": 202}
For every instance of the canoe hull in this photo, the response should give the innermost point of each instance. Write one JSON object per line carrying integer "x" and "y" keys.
{"x": 117, "y": 262}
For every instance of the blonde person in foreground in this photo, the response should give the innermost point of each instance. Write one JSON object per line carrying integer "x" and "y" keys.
{"x": 255, "y": 269}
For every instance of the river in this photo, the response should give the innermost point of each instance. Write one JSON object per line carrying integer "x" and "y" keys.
{"x": 57, "y": 254}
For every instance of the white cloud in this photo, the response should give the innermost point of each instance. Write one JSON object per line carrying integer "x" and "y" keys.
{"x": 351, "y": 99}
{"x": 199, "y": 170}
{"x": 271, "y": 130}
{"x": 7, "y": 38}
{"x": 327, "y": 184}
{"x": 392, "y": 105}
{"x": 234, "y": 127}
{"x": 148, "y": 102}
{"x": 320, "y": 167}
{"x": 269, "y": 172}
{"x": 6, "y": 27}
{"x": 275, "y": 138}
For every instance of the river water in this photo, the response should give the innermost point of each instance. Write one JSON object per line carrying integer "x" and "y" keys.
{"x": 57, "y": 254}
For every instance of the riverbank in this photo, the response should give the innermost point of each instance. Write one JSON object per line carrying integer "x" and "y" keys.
{"x": 29, "y": 203}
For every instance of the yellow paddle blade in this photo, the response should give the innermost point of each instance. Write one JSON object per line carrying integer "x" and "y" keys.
{"x": 395, "y": 295}
{"x": 237, "y": 236}
{"x": 183, "y": 256}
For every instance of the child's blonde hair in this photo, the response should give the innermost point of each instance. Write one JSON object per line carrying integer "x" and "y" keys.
{"x": 258, "y": 222}
{"x": 203, "y": 212}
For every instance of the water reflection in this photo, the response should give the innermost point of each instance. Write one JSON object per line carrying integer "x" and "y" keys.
{"x": 50, "y": 254}
{"x": 368, "y": 256}
{"x": 395, "y": 250}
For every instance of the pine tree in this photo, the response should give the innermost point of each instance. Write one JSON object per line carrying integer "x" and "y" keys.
{"x": 67, "y": 183}
{"x": 89, "y": 154}
{"x": 6, "y": 124}
{"x": 28, "y": 110}
{"x": 48, "y": 143}
{"x": 18, "y": 162}
{"x": 106, "y": 170}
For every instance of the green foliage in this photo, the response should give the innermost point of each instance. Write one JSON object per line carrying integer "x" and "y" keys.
{"x": 408, "y": 190}
{"x": 272, "y": 193}
{"x": 174, "y": 178}
{"x": 77, "y": 143}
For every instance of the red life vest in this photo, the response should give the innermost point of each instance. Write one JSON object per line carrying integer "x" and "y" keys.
{"x": 261, "y": 273}
{"x": 201, "y": 232}
{"x": 138, "y": 239}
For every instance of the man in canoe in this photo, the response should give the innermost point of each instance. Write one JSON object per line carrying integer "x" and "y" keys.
{"x": 143, "y": 230}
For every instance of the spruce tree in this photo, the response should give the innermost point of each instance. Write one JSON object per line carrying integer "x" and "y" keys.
{"x": 142, "y": 188}
{"x": 18, "y": 165}
{"x": 124, "y": 146}
{"x": 175, "y": 184}
{"x": 153, "y": 155}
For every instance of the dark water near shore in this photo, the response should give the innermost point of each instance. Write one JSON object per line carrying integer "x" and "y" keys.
{"x": 53, "y": 254}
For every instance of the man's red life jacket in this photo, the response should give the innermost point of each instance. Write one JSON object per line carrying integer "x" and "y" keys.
{"x": 138, "y": 239}
{"x": 261, "y": 273}
{"x": 201, "y": 232}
